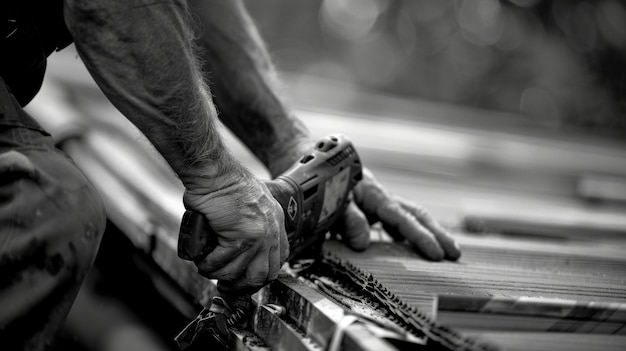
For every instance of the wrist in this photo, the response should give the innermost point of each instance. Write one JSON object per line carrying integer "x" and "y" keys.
{"x": 288, "y": 152}
{"x": 214, "y": 175}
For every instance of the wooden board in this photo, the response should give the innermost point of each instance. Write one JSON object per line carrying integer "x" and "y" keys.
{"x": 548, "y": 276}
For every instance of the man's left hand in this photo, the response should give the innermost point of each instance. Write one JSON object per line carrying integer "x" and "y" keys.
{"x": 400, "y": 218}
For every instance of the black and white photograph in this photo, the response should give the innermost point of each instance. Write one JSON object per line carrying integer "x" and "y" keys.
{"x": 321, "y": 175}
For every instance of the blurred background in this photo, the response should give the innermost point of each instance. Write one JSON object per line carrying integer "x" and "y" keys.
{"x": 559, "y": 63}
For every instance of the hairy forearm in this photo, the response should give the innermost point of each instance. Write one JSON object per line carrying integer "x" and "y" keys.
{"x": 245, "y": 84}
{"x": 140, "y": 54}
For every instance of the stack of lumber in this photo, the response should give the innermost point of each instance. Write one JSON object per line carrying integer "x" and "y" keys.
{"x": 519, "y": 294}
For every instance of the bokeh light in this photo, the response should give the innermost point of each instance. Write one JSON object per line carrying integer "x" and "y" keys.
{"x": 561, "y": 63}
{"x": 350, "y": 19}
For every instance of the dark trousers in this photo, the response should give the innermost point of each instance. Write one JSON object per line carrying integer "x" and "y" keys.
{"x": 51, "y": 223}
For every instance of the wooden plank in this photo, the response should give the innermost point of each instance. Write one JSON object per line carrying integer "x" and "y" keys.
{"x": 555, "y": 341}
{"x": 555, "y": 274}
{"x": 540, "y": 220}
{"x": 602, "y": 187}
{"x": 547, "y": 270}
{"x": 531, "y": 314}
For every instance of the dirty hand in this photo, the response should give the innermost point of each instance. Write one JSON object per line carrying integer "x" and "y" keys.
{"x": 251, "y": 238}
{"x": 402, "y": 219}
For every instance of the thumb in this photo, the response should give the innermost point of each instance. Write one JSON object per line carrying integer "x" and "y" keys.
{"x": 354, "y": 228}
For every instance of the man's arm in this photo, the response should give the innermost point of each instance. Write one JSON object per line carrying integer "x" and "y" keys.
{"x": 140, "y": 53}
{"x": 247, "y": 92}
{"x": 245, "y": 85}
{"x": 139, "y": 56}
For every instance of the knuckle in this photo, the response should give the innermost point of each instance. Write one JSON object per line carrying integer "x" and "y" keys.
{"x": 390, "y": 208}
{"x": 386, "y": 206}
{"x": 420, "y": 212}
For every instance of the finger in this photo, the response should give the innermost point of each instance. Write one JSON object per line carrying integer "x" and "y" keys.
{"x": 450, "y": 246}
{"x": 256, "y": 274}
{"x": 356, "y": 230}
{"x": 396, "y": 218}
{"x": 225, "y": 263}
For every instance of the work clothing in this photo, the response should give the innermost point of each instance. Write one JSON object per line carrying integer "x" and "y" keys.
{"x": 51, "y": 217}
{"x": 30, "y": 30}
{"x": 51, "y": 222}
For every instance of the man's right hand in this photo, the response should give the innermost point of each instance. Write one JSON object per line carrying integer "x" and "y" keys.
{"x": 252, "y": 242}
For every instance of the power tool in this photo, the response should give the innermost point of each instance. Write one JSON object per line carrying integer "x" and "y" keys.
{"x": 313, "y": 193}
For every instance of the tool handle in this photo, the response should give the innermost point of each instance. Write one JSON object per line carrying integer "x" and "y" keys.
{"x": 196, "y": 238}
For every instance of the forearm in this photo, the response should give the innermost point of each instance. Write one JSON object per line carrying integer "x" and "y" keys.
{"x": 245, "y": 84}
{"x": 140, "y": 55}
